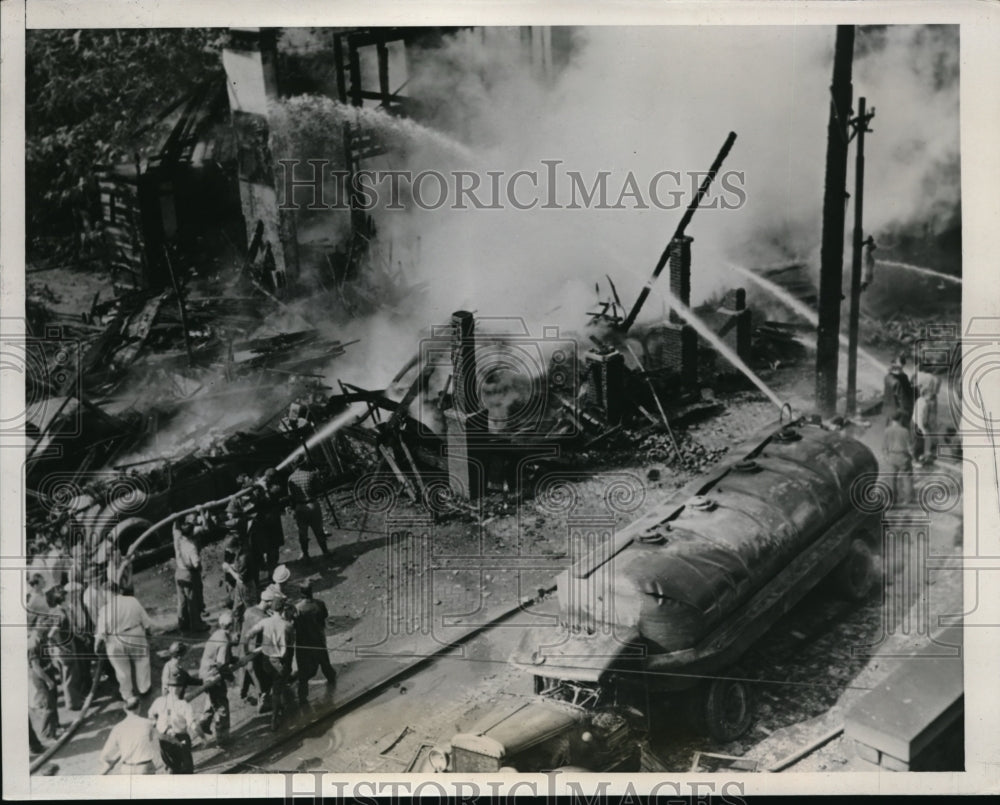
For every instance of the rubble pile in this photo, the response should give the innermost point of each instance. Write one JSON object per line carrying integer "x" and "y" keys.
{"x": 693, "y": 455}
{"x": 899, "y": 332}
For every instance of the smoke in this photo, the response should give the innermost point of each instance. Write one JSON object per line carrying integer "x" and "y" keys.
{"x": 630, "y": 102}
{"x": 910, "y": 74}
{"x": 645, "y": 100}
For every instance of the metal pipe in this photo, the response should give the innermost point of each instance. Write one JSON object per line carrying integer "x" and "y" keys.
{"x": 688, "y": 214}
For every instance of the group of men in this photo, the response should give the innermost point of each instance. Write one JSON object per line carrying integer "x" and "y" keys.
{"x": 163, "y": 741}
{"x": 282, "y": 639}
{"x": 910, "y": 407}
{"x": 252, "y": 543}
{"x": 83, "y": 608}
{"x": 68, "y": 615}
{"x": 66, "y": 636}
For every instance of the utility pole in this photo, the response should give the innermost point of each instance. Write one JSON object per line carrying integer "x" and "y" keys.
{"x": 832, "y": 249}
{"x": 860, "y": 124}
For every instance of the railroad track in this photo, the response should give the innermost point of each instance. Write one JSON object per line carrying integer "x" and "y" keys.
{"x": 357, "y": 699}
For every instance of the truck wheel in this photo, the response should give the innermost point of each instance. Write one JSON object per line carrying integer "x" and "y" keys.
{"x": 723, "y": 710}
{"x": 855, "y": 574}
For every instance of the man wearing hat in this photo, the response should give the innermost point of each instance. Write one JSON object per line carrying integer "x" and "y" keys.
{"x": 279, "y": 584}
{"x": 175, "y": 722}
{"x": 257, "y": 533}
{"x": 123, "y": 625}
{"x": 216, "y": 671}
{"x": 43, "y": 705}
{"x": 239, "y": 578}
{"x": 172, "y": 668}
{"x": 277, "y": 647}
{"x": 310, "y": 641}
{"x": 64, "y": 650}
{"x": 898, "y": 394}
{"x": 36, "y": 605}
{"x": 188, "y": 578}
{"x": 132, "y": 744}
{"x": 271, "y": 503}
{"x": 897, "y": 447}
{"x": 303, "y": 491}
{"x": 251, "y": 672}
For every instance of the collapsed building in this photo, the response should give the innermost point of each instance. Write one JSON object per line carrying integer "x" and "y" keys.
{"x": 205, "y": 259}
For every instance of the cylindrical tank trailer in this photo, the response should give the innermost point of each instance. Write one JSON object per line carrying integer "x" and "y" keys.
{"x": 676, "y": 597}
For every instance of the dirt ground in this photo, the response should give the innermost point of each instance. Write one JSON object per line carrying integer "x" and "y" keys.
{"x": 361, "y": 583}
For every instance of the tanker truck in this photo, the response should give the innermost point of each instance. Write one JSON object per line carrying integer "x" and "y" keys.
{"x": 657, "y": 613}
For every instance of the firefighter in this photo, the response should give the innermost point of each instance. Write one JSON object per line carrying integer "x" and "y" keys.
{"x": 280, "y": 586}
{"x": 925, "y": 426}
{"x": 178, "y": 728}
{"x": 277, "y": 647}
{"x": 271, "y": 502}
{"x": 310, "y": 641}
{"x": 43, "y": 709}
{"x": 216, "y": 672}
{"x": 123, "y": 625}
{"x": 303, "y": 490}
{"x": 172, "y": 668}
{"x": 252, "y": 671}
{"x": 258, "y": 537}
{"x": 897, "y": 447}
{"x": 238, "y": 573}
{"x": 898, "y": 394}
{"x": 64, "y": 650}
{"x": 187, "y": 577}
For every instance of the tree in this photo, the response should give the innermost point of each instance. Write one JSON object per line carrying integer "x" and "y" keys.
{"x": 86, "y": 92}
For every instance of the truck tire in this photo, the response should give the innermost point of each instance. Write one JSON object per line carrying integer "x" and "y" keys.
{"x": 855, "y": 575}
{"x": 722, "y": 710}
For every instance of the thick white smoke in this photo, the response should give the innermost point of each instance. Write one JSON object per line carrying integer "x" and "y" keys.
{"x": 644, "y": 100}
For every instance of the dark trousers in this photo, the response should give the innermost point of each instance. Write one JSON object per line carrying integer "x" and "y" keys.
{"x": 310, "y": 661}
{"x": 309, "y": 516}
{"x": 75, "y": 673}
{"x": 216, "y": 716}
{"x": 176, "y": 753}
{"x": 190, "y": 602}
{"x": 44, "y": 711}
{"x": 254, "y": 674}
{"x": 277, "y": 672}
{"x": 34, "y": 745}
{"x": 270, "y": 559}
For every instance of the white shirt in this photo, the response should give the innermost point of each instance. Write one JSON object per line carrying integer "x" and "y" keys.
{"x": 175, "y": 715}
{"x": 122, "y": 615}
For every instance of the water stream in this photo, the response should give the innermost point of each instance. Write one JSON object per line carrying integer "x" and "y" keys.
{"x": 354, "y": 413}
{"x": 721, "y": 346}
{"x": 921, "y": 270}
{"x": 803, "y": 310}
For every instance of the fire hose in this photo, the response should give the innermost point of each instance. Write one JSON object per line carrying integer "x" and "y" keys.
{"x": 99, "y": 670}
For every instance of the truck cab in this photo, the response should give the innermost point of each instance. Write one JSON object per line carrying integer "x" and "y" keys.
{"x": 539, "y": 734}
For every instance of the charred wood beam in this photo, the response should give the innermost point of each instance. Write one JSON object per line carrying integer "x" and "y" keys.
{"x": 688, "y": 214}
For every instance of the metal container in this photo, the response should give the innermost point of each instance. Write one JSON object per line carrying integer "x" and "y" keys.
{"x": 692, "y": 583}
